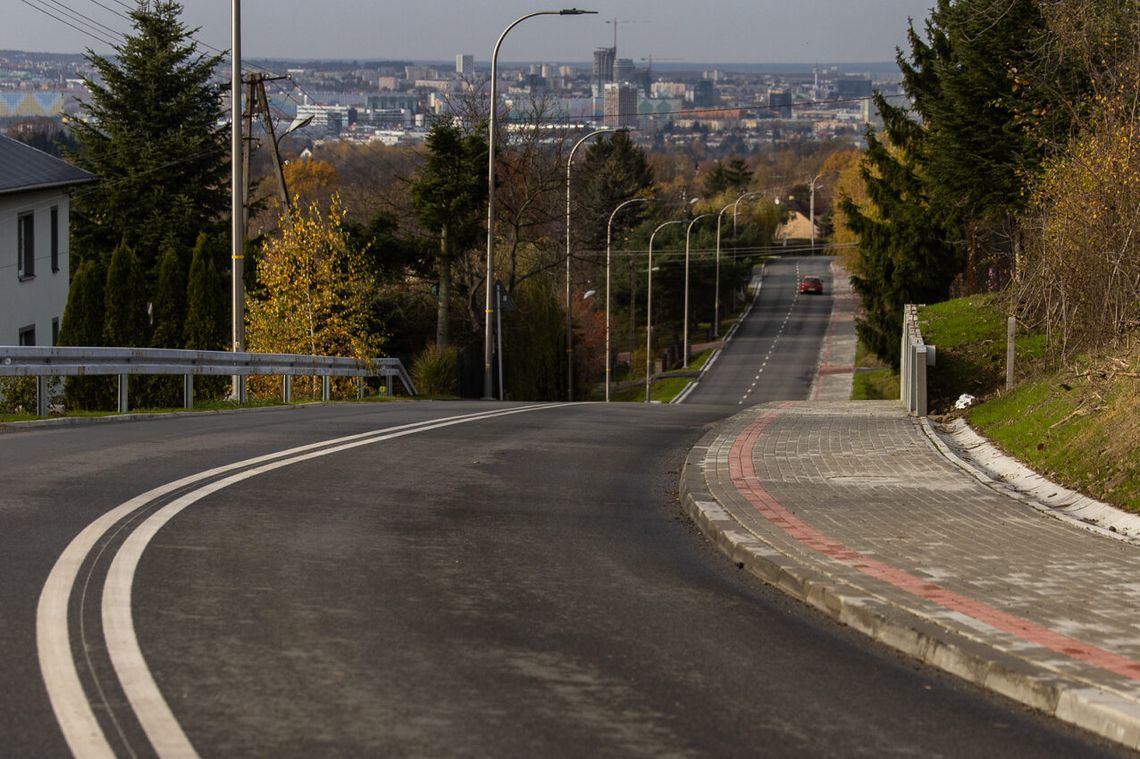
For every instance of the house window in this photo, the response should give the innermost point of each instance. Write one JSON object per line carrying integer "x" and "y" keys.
{"x": 54, "y": 239}
{"x": 26, "y": 245}
{"x": 28, "y": 335}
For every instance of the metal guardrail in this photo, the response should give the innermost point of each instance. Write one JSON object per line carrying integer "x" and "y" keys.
{"x": 916, "y": 356}
{"x": 45, "y": 363}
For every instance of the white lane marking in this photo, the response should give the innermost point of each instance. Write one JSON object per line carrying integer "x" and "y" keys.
{"x": 72, "y": 709}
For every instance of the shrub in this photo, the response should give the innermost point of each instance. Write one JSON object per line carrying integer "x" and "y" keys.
{"x": 436, "y": 371}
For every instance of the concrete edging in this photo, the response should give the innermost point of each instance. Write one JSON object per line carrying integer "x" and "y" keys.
{"x": 1099, "y": 711}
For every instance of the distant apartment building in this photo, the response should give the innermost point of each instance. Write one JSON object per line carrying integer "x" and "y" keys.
{"x": 387, "y": 83}
{"x": 668, "y": 89}
{"x": 780, "y": 101}
{"x": 852, "y": 88}
{"x": 465, "y": 66}
{"x": 619, "y": 106}
{"x": 624, "y": 70}
{"x": 327, "y": 119}
{"x": 603, "y": 71}
{"x": 34, "y": 234}
{"x": 702, "y": 94}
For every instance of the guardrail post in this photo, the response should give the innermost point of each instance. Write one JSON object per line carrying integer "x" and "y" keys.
{"x": 919, "y": 380}
{"x": 359, "y": 388}
{"x": 42, "y": 395}
{"x": 391, "y": 385}
{"x": 326, "y": 388}
{"x": 239, "y": 388}
{"x": 1010, "y": 350}
{"x": 124, "y": 401}
{"x": 188, "y": 391}
{"x": 286, "y": 388}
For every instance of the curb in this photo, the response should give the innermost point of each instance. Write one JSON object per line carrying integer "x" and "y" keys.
{"x": 1077, "y": 702}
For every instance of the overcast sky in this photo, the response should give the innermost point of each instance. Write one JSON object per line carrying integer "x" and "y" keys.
{"x": 729, "y": 31}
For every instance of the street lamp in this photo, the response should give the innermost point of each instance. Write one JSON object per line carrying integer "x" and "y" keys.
{"x": 569, "y": 310}
{"x": 609, "y": 237}
{"x": 719, "y": 217}
{"x": 237, "y": 204}
{"x": 685, "y": 316}
{"x": 489, "y": 303}
{"x": 649, "y": 309}
{"x": 812, "y": 211}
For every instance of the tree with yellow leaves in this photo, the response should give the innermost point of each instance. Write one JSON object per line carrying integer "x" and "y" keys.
{"x": 315, "y": 291}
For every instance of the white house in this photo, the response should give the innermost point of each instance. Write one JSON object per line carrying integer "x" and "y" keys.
{"x": 34, "y": 236}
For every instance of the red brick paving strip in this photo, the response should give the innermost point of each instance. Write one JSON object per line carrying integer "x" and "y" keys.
{"x": 742, "y": 472}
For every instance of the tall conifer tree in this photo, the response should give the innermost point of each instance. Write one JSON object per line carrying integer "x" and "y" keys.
{"x": 154, "y": 137}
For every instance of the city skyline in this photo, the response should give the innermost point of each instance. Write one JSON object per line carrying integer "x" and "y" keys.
{"x": 863, "y": 31}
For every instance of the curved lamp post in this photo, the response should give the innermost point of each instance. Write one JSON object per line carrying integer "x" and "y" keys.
{"x": 609, "y": 237}
{"x": 569, "y": 310}
{"x": 489, "y": 303}
{"x": 716, "y": 295}
{"x": 685, "y": 317}
{"x": 649, "y": 310}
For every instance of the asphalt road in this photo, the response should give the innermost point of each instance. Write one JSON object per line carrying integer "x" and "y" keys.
{"x": 507, "y": 585}
{"x": 773, "y": 353}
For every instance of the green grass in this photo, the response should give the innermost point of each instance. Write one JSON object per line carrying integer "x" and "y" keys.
{"x": 1079, "y": 431}
{"x": 1077, "y": 425}
{"x": 875, "y": 385}
{"x": 970, "y": 337}
{"x": 874, "y": 380}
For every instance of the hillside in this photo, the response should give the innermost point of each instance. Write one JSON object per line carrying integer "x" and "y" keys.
{"x": 1077, "y": 424}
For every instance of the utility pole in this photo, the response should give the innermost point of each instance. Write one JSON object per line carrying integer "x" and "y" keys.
{"x": 237, "y": 197}
{"x": 257, "y": 82}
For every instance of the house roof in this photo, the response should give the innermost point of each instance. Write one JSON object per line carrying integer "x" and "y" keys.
{"x": 23, "y": 168}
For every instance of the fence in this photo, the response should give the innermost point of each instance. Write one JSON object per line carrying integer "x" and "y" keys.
{"x": 915, "y": 358}
{"x": 45, "y": 363}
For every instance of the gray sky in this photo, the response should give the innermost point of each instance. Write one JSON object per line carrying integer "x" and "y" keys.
{"x": 737, "y": 31}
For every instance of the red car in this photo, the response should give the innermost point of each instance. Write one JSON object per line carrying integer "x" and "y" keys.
{"x": 812, "y": 286}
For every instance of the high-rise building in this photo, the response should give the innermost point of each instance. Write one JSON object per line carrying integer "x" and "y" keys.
{"x": 465, "y": 65}
{"x": 619, "y": 105}
{"x": 780, "y": 101}
{"x": 623, "y": 70}
{"x": 702, "y": 94}
{"x": 603, "y": 66}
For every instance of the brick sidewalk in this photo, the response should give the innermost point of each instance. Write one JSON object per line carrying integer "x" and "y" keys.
{"x": 850, "y": 507}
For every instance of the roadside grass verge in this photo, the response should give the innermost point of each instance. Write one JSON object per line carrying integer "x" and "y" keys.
{"x": 1078, "y": 425}
{"x": 874, "y": 380}
{"x": 970, "y": 337}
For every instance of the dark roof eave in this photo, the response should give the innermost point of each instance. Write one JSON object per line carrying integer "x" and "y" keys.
{"x": 48, "y": 185}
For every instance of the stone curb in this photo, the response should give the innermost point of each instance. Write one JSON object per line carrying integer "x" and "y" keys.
{"x": 1099, "y": 711}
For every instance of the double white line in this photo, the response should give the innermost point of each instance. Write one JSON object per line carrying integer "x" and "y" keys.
{"x": 73, "y": 711}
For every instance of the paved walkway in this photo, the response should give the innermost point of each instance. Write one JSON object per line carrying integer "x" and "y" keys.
{"x": 854, "y": 508}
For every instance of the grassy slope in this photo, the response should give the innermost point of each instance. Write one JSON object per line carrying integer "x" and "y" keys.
{"x": 1078, "y": 425}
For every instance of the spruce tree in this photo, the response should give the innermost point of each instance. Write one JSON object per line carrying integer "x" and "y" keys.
{"x": 448, "y": 196}
{"x": 169, "y": 304}
{"x": 206, "y": 318}
{"x": 125, "y": 319}
{"x": 613, "y": 170}
{"x": 169, "y": 314}
{"x": 83, "y": 326}
{"x": 155, "y": 138}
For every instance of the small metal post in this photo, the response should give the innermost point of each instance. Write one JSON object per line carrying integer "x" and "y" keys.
{"x": 188, "y": 391}
{"x": 391, "y": 386}
{"x": 286, "y": 388}
{"x": 124, "y": 404}
{"x": 359, "y": 388}
{"x": 1010, "y": 350}
{"x": 41, "y": 395}
{"x": 326, "y": 388}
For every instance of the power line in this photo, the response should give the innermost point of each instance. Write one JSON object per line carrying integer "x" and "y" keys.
{"x": 65, "y": 22}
